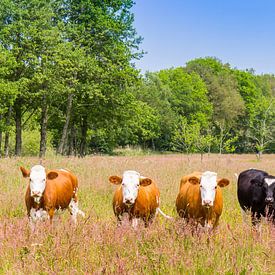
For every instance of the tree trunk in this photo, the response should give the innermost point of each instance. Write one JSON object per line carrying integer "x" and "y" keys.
{"x": 7, "y": 134}
{"x": 72, "y": 142}
{"x": 18, "y": 129}
{"x": 62, "y": 143}
{"x": 221, "y": 140}
{"x": 43, "y": 128}
{"x": 84, "y": 129}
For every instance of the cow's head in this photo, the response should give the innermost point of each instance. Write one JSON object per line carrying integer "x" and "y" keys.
{"x": 130, "y": 182}
{"x": 264, "y": 187}
{"x": 208, "y": 185}
{"x": 38, "y": 178}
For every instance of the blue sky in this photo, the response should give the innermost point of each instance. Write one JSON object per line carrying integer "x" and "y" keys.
{"x": 238, "y": 32}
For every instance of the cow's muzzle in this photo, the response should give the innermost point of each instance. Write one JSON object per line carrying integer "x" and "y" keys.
{"x": 207, "y": 203}
{"x": 269, "y": 200}
{"x": 36, "y": 194}
{"x": 129, "y": 202}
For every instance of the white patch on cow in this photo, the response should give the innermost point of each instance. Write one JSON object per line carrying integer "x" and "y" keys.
{"x": 64, "y": 170}
{"x": 74, "y": 210}
{"x": 37, "y": 182}
{"x": 130, "y": 186}
{"x": 208, "y": 185}
{"x": 157, "y": 200}
{"x": 38, "y": 215}
{"x": 269, "y": 181}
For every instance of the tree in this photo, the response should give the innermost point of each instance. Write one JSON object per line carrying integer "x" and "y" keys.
{"x": 223, "y": 93}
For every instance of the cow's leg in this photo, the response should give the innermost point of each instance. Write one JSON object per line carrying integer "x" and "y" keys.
{"x": 74, "y": 210}
{"x": 244, "y": 215}
{"x": 149, "y": 219}
{"x": 32, "y": 219}
{"x": 119, "y": 220}
{"x": 215, "y": 224}
{"x": 135, "y": 223}
{"x": 51, "y": 214}
{"x": 256, "y": 218}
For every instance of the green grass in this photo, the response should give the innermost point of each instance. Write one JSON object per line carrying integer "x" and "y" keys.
{"x": 98, "y": 246}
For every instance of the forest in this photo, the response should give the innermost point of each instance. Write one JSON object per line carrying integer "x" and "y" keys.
{"x": 69, "y": 86}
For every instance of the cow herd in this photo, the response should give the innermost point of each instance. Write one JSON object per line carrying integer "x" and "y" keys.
{"x": 199, "y": 200}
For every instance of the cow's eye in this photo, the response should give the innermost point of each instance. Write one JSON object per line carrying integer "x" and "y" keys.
{"x": 215, "y": 187}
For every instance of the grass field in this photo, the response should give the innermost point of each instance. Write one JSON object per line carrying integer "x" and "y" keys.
{"x": 98, "y": 246}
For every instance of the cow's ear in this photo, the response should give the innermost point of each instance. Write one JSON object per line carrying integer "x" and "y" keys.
{"x": 194, "y": 180}
{"x": 115, "y": 180}
{"x": 256, "y": 181}
{"x": 223, "y": 182}
{"x": 52, "y": 175}
{"x": 145, "y": 181}
{"x": 25, "y": 172}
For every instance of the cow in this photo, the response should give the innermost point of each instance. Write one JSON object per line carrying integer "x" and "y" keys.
{"x": 50, "y": 191}
{"x": 136, "y": 195}
{"x": 200, "y": 198}
{"x": 256, "y": 193}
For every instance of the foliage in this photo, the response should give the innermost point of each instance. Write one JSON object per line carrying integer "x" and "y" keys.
{"x": 67, "y": 69}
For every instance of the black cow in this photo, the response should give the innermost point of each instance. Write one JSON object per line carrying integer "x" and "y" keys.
{"x": 256, "y": 192}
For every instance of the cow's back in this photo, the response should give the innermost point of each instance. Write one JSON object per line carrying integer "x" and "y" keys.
{"x": 147, "y": 200}
{"x": 189, "y": 204}
{"x": 118, "y": 206}
{"x": 145, "y": 204}
{"x": 244, "y": 188}
{"x": 188, "y": 198}
{"x": 60, "y": 191}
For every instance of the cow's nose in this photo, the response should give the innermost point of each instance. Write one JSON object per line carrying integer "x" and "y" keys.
{"x": 207, "y": 202}
{"x": 269, "y": 200}
{"x": 35, "y": 193}
{"x": 128, "y": 201}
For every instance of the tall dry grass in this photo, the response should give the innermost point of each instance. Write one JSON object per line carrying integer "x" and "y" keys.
{"x": 98, "y": 246}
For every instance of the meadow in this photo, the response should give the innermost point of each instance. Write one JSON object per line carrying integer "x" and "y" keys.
{"x": 97, "y": 246}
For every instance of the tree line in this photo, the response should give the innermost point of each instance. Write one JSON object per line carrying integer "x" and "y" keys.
{"x": 68, "y": 84}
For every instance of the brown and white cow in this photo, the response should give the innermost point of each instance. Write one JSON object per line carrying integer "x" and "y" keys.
{"x": 200, "y": 198}
{"x": 50, "y": 191}
{"x": 136, "y": 195}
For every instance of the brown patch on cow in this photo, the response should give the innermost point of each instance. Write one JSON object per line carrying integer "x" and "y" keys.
{"x": 25, "y": 172}
{"x": 189, "y": 205}
{"x": 115, "y": 180}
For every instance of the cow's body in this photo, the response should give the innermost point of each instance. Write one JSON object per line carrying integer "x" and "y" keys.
{"x": 59, "y": 193}
{"x": 256, "y": 193}
{"x": 189, "y": 201}
{"x": 143, "y": 205}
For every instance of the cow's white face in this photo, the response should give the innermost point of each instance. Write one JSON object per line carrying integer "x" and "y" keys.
{"x": 208, "y": 186}
{"x": 269, "y": 186}
{"x": 130, "y": 182}
{"x": 37, "y": 182}
{"x": 130, "y": 186}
